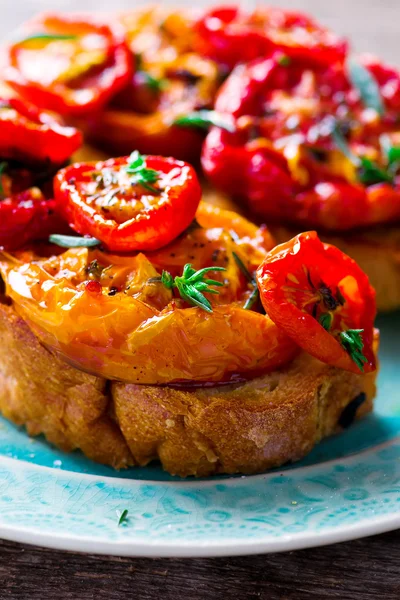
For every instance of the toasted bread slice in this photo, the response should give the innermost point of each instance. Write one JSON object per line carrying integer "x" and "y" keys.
{"x": 242, "y": 428}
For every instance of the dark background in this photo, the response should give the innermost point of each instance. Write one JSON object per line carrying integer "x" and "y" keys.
{"x": 361, "y": 570}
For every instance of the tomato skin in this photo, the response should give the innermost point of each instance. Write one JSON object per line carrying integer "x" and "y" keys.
{"x": 282, "y": 159}
{"x": 31, "y": 136}
{"x": 231, "y": 36}
{"x": 149, "y": 229}
{"x": 26, "y": 217}
{"x": 75, "y": 95}
{"x": 144, "y": 333}
{"x": 118, "y": 131}
{"x": 258, "y": 175}
{"x": 286, "y": 279}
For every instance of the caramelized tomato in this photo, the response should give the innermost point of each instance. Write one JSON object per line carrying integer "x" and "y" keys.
{"x": 107, "y": 315}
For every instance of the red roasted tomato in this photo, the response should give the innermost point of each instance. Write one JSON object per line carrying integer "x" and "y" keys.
{"x": 230, "y": 36}
{"x": 67, "y": 63}
{"x": 312, "y": 147}
{"x": 31, "y": 136}
{"x": 321, "y": 298}
{"x": 26, "y": 217}
{"x": 170, "y": 80}
{"x": 131, "y": 203}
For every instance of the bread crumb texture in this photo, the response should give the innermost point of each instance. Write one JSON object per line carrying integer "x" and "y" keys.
{"x": 241, "y": 428}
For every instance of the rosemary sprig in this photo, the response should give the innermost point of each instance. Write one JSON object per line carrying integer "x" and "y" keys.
{"x": 71, "y": 241}
{"x": 203, "y": 119}
{"x": 255, "y": 294}
{"x": 368, "y": 87}
{"x": 3, "y": 167}
{"x": 141, "y": 175}
{"x": 192, "y": 284}
{"x": 352, "y": 342}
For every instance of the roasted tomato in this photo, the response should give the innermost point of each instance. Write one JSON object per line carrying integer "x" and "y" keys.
{"x": 170, "y": 80}
{"x": 313, "y": 147}
{"x": 130, "y": 203}
{"x": 30, "y": 136}
{"x": 26, "y": 217}
{"x": 121, "y": 317}
{"x": 70, "y": 64}
{"x": 231, "y": 36}
{"x": 322, "y": 299}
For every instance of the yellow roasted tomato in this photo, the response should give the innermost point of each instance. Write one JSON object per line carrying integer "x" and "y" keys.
{"x": 116, "y": 317}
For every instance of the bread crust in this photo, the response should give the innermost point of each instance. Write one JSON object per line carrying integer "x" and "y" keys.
{"x": 241, "y": 428}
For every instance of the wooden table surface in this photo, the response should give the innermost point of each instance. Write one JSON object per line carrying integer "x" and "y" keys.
{"x": 361, "y": 570}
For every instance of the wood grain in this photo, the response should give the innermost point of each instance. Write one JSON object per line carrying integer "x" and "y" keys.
{"x": 361, "y": 570}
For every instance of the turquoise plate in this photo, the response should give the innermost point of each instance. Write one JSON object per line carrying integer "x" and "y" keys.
{"x": 348, "y": 487}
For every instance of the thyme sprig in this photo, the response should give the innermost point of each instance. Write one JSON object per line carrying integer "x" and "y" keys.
{"x": 352, "y": 342}
{"x": 369, "y": 172}
{"x": 255, "y": 294}
{"x": 367, "y": 86}
{"x": 204, "y": 119}
{"x": 192, "y": 285}
{"x": 46, "y": 37}
{"x": 72, "y": 241}
{"x": 141, "y": 174}
{"x": 122, "y": 516}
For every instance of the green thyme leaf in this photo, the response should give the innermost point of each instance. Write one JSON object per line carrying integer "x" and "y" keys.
{"x": 141, "y": 175}
{"x": 391, "y": 152}
{"x": 70, "y": 241}
{"x": 325, "y": 320}
{"x": 369, "y": 172}
{"x": 252, "y": 299}
{"x": 122, "y": 516}
{"x": 191, "y": 285}
{"x": 243, "y": 268}
{"x": 368, "y": 87}
{"x": 352, "y": 342}
{"x": 255, "y": 294}
{"x": 3, "y": 168}
{"x": 284, "y": 60}
{"x": 157, "y": 85}
{"x": 203, "y": 119}
{"x": 46, "y": 37}
{"x": 342, "y": 144}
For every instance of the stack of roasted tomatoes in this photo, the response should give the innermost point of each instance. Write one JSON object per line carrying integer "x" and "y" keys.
{"x": 154, "y": 286}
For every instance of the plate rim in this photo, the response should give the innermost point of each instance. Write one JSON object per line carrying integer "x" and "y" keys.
{"x": 180, "y": 548}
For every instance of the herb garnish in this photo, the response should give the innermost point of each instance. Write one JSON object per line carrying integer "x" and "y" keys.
{"x": 71, "y": 241}
{"x": 352, "y": 342}
{"x": 122, "y": 516}
{"x": 368, "y": 87}
{"x": 255, "y": 294}
{"x": 46, "y": 36}
{"x": 284, "y": 60}
{"x": 3, "y": 167}
{"x": 325, "y": 319}
{"x": 154, "y": 83}
{"x": 141, "y": 175}
{"x": 368, "y": 171}
{"x": 191, "y": 285}
{"x": 391, "y": 152}
{"x": 203, "y": 119}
